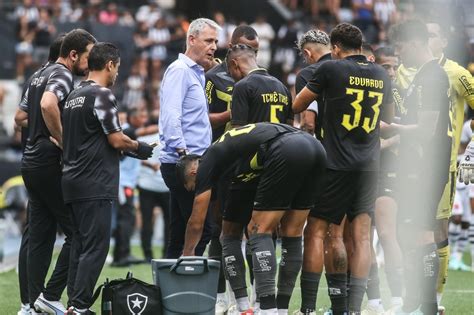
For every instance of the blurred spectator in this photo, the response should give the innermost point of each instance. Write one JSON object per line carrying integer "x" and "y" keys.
{"x": 27, "y": 16}
{"x": 71, "y": 11}
{"x": 134, "y": 87}
{"x": 44, "y": 34}
{"x": 129, "y": 169}
{"x": 148, "y": 13}
{"x": 153, "y": 192}
{"x": 126, "y": 18}
{"x": 224, "y": 34}
{"x": 28, "y": 11}
{"x": 285, "y": 54}
{"x": 159, "y": 36}
{"x": 364, "y": 19}
{"x": 109, "y": 15}
{"x": 265, "y": 36}
{"x": 345, "y": 13}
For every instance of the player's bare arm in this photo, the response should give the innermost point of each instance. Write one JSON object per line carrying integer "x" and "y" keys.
{"x": 302, "y": 100}
{"x": 196, "y": 222}
{"x": 21, "y": 118}
{"x": 118, "y": 140}
{"x": 219, "y": 119}
{"x": 52, "y": 115}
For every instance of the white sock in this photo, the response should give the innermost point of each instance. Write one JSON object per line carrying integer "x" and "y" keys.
{"x": 243, "y": 304}
{"x": 271, "y": 311}
{"x": 282, "y": 311}
{"x": 439, "y": 296}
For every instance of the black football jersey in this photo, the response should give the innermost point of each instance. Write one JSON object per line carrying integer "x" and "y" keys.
{"x": 39, "y": 150}
{"x": 356, "y": 93}
{"x": 239, "y": 152}
{"x": 260, "y": 97}
{"x": 303, "y": 77}
{"x": 219, "y": 86}
{"x": 91, "y": 164}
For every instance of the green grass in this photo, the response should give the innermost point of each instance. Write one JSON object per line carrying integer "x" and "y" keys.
{"x": 458, "y": 297}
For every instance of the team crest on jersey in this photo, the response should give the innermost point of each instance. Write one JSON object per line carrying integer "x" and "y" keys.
{"x": 136, "y": 303}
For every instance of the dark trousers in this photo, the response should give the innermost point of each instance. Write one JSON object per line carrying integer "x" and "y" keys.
{"x": 148, "y": 201}
{"x": 125, "y": 225}
{"x": 47, "y": 211}
{"x": 90, "y": 245}
{"x": 181, "y": 206}
{"x": 23, "y": 261}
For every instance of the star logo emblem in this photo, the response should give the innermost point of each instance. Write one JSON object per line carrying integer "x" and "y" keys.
{"x": 136, "y": 303}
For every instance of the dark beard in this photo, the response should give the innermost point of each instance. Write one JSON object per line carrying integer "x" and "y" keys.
{"x": 77, "y": 71}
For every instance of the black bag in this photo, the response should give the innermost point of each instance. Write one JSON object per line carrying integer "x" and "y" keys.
{"x": 129, "y": 296}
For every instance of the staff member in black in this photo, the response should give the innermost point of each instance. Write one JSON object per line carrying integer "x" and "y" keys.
{"x": 41, "y": 169}
{"x": 54, "y": 50}
{"x": 92, "y": 141}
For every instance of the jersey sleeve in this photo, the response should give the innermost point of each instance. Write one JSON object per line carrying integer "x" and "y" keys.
{"x": 131, "y": 132}
{"x": 318, "y": 82}
{"x": 208, "y": 173}
{"x": 210, "y": 92}
{"x": 106, "y": 111}
{"x": 300, "y": 82}
{"x": 60, "y": 84}
{"x": 240, "y": 104}
{"x": 24, "y": 99}
{"x": 387, "y": 101}
{"x": 464, "y": 85}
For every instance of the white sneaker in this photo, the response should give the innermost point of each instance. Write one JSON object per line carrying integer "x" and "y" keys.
{"x": 24, "y": 309}
{"x": 50, "y": 307}
{"x": 222, "y": 303}
{"x": 282, "y": 311}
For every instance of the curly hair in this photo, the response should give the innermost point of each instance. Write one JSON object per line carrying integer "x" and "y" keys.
{"x": 346, "y": 36}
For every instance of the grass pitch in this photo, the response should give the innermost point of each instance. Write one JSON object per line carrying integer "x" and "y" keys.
{"x": 458, "y": 297}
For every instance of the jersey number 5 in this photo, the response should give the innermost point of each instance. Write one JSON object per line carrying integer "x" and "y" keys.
{"x": 273, "y": 113}
{"x": 353, "y": 121}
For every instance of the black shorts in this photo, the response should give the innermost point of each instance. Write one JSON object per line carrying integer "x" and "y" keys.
{"x": 293, "y": 169}
{"x": 239, "y": 206}
{"x": 346, "y": 192}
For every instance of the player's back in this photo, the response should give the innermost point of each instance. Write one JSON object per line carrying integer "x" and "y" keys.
{"x": 355, "y": 94}
{"x": 260, "y": 97}
{"x": 39, "y": 150}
